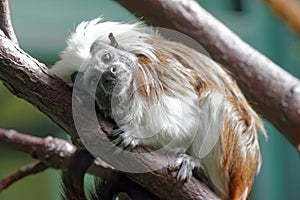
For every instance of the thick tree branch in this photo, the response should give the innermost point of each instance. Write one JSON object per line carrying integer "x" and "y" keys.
{"x": 273, "y": 92}
{"x": 27, "y": 78}
{"x": 53, "y": 152}
{"x": 21, "y": 173}
{"x": 5, "y": 22}
{"x": 56, "y": 153}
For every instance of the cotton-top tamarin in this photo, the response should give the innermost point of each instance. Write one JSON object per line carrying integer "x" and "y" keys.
{"x": 170, "y": 96}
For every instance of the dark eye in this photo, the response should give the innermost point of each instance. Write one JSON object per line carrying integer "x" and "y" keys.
{"x": 107, "y": 57}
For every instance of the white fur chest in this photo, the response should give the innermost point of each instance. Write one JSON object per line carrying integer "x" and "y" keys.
{"x": 169, "y": 122}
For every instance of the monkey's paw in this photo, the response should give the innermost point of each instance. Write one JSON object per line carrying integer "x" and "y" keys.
{"x": 184, "y": 164}
{"x": 124, "y": 140}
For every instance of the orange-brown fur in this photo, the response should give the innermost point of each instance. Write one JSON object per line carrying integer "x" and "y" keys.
{"x": 239, "y": 169}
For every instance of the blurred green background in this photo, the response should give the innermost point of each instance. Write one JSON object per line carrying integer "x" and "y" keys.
{"x": 42, "y": 27}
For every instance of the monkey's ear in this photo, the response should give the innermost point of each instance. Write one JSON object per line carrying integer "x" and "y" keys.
{"x": 113, "y": 41}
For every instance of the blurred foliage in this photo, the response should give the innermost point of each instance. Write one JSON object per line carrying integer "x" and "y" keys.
{"x": 21, "y": 115}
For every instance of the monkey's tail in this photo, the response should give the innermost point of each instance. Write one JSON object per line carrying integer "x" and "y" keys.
{"x": 73, "y": 176}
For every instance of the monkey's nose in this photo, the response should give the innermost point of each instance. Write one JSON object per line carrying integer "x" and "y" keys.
{"x": 113, "y": 70}
{"x": 110, "y": 74}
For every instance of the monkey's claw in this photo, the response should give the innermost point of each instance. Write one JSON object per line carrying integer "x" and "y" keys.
{"x": 116, "y": 132}
{"x": 125, "y": 141}
{"x": 185, "y": 165}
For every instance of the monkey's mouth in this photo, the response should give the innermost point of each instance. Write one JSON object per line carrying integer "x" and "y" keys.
{"x": 113, "y": 85}
{"x": 107, "y": 85}
{"x": 112, "y": 81}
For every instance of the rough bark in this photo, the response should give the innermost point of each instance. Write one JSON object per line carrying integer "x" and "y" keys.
{"x": 56, "y": 153}
{"x": 5, "y": 22}
{"x": 272, "y": 91}
{"x": 28, "y": 79}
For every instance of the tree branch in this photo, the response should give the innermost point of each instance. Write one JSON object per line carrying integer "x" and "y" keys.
{"x": 53, "y": 152}
{"x": 21, "y": 173}
{"x": 27, "y": 78}
{"x": 56, "y": 153}
{"x": 5, "y": 22}
{"x": 274, "y": 92}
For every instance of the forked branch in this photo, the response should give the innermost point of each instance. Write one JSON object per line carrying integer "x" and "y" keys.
{"x": 56, "y": 153}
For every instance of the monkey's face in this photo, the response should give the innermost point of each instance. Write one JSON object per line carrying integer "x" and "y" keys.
{"x": 108, "y": 72}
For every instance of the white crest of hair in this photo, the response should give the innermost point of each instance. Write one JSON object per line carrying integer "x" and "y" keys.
{"x": 131, "y": 38}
